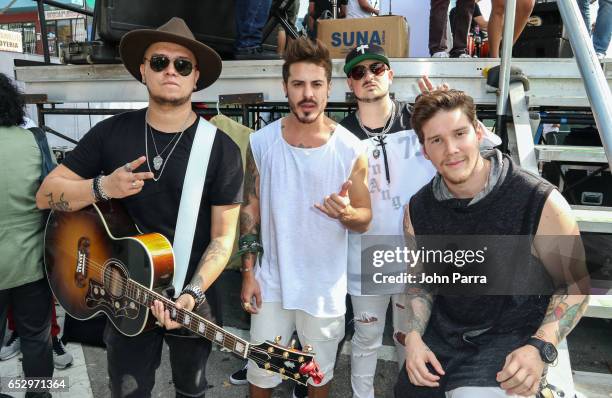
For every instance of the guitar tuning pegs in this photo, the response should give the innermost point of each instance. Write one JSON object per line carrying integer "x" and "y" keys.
{"x": 307, "y": 348}
{"x": 267, "y": 365}
{"x": 277, "y": 339}
{"x": 282, "y": 371}
{"x": 292, "y": 345}
{"x": 286, "y": 354}
{"x": 300, "y": 359}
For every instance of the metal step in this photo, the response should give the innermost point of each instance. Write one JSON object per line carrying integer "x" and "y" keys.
{"x": 567, "y": 153}
{"x": 553, "y": 82}
{"x": 593, "y": 219}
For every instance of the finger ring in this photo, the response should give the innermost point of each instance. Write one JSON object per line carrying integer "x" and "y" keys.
{"x": 128, "y": 167}
{"x": 134, "y": 184}
{"x": 246, "y": 305}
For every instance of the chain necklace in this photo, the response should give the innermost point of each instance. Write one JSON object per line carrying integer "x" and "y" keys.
{"x": 158, "y": 160}
{"x": 183, "y": 128}
{"x": 383, "y": 133}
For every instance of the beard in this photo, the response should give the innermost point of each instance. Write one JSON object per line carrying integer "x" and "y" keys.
{"x": 306, "y": 117}
{"x": 369, "y": 100}
{"x": 163, "y": 101}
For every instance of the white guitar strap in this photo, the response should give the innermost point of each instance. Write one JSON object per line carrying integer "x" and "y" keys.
{"x": 191, "y": 196}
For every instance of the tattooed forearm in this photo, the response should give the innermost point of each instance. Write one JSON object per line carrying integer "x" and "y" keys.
{"x": 251, "y": 178}
{"x": 419, "y": 310}
{"x": 60, "y": 205}
{"x": 248, "y": 225}
{"x": 217, "y": 254}
{"x": 563, "y": 313}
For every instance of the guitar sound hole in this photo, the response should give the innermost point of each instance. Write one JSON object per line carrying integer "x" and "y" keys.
{"x": 115, "y": 280}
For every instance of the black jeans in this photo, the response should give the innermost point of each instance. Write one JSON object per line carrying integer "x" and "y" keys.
{"x": 132, "y": 362}
{"x": 31, "y": 305}
{"x": 438, "y": 19}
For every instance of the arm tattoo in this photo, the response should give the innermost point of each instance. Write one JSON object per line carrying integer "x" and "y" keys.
{"x": 420, "y": 300}
{"x": 61, "y": 205}
{"x": 251, "y": 178}
{"x": 248, "y": 224}
{"x": 215, "y": 252}
{"x": 566, "y": 314}
{"x": 419, "y": 310}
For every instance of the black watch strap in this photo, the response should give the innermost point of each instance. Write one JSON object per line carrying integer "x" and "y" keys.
{"x": 548, "y": 351}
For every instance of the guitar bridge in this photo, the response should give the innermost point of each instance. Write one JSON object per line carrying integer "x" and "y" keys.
{"x": 118, "y": 307}
{"x": 80, "y": 274}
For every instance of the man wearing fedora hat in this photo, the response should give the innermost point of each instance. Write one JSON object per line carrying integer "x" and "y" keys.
{"x": 141, "y": 158}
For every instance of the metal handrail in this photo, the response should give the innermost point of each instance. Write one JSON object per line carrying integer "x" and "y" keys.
{"x": 595, "y": 83}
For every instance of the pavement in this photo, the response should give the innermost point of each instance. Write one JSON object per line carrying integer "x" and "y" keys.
{"x": 590, "y": 351}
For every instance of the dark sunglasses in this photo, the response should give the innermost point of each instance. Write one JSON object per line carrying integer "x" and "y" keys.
{"x": 160, "y": 62}
{"x": 358, "y": 72}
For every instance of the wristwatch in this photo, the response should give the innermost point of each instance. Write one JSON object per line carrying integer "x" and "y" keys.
{"x": 196, "y": 292}
{"x": 548, "y": 352}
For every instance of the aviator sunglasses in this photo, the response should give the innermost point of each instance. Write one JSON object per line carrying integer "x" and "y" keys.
{"x": 358, "y": 72}
{"x": 160, "y": 62}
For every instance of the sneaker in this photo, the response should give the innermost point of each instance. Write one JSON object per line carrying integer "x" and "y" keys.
{"x": 238, "y": 378}
{"x": 251, "y": 53}
{"x": 300, "y": 391}
{"x": 61, "y": 358}
{"x": 440, "y": 54}
{"x": 601, "y": 56}
{"x": 11, "y": 348}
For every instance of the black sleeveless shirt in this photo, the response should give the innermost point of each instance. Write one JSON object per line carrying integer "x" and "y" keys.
{"x": 472, "y": 335}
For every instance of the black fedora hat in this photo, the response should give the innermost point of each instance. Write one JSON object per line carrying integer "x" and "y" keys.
{"x": 134, "y": 44}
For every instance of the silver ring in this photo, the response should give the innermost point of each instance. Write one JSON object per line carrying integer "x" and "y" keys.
{"x": 128, "y": 167}
{"x": 134, "y": 184}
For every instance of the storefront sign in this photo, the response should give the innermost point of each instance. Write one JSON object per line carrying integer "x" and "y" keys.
{"x": 62, "y": 14}
{"x": 11, "y": 41}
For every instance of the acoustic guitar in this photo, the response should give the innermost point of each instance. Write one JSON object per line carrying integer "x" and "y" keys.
{"x": 97, "y": 261}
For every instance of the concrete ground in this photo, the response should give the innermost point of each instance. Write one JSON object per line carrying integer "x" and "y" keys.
{"x": 590, "y": 351}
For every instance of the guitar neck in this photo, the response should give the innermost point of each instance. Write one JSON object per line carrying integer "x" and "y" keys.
{"x": 188, "y": 319}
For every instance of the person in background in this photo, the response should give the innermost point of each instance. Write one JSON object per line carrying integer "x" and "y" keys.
{"x": 292, "y": 12}
{"x": 23, "y": 285}
{"x": 438, "y": 19}
{"x": 360, "y": 9}
{"x": 496, "y": 22}
{"x": 477, "y": 19}
{"x": 323, "y": 9}
{"x": 61, "y": 358}
{"x": 250, "y": 16}
{"x": 602, "y": 30}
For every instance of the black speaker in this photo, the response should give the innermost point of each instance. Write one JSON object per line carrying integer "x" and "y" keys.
{"x": 544, "y": 36}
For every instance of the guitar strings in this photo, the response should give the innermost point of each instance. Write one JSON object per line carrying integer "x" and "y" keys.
{"x": 124, "y": 283}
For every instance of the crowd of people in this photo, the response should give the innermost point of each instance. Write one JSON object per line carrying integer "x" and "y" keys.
{"x": 311, "y": 192}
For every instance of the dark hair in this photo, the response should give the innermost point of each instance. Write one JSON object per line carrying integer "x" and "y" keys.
{"x": 11, "y": 103}
{"x": 306, "y": 50}
{"x": 429, "y": 104}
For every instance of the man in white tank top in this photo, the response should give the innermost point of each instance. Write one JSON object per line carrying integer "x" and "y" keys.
{"x": 305, "y": 188}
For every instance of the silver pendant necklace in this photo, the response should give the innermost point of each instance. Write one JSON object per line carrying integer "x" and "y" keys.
{"x": 385, "y": 130}
{"x": 158, "y": 161}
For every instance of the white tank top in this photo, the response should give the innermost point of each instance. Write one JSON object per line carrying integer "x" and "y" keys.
{"x": 305, "y": 252}
{"x": 408, "y": 172}
{"x": 354, "y": 10}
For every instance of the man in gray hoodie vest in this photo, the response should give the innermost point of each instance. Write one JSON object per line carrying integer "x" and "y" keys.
{"x": 487, "y": 345}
